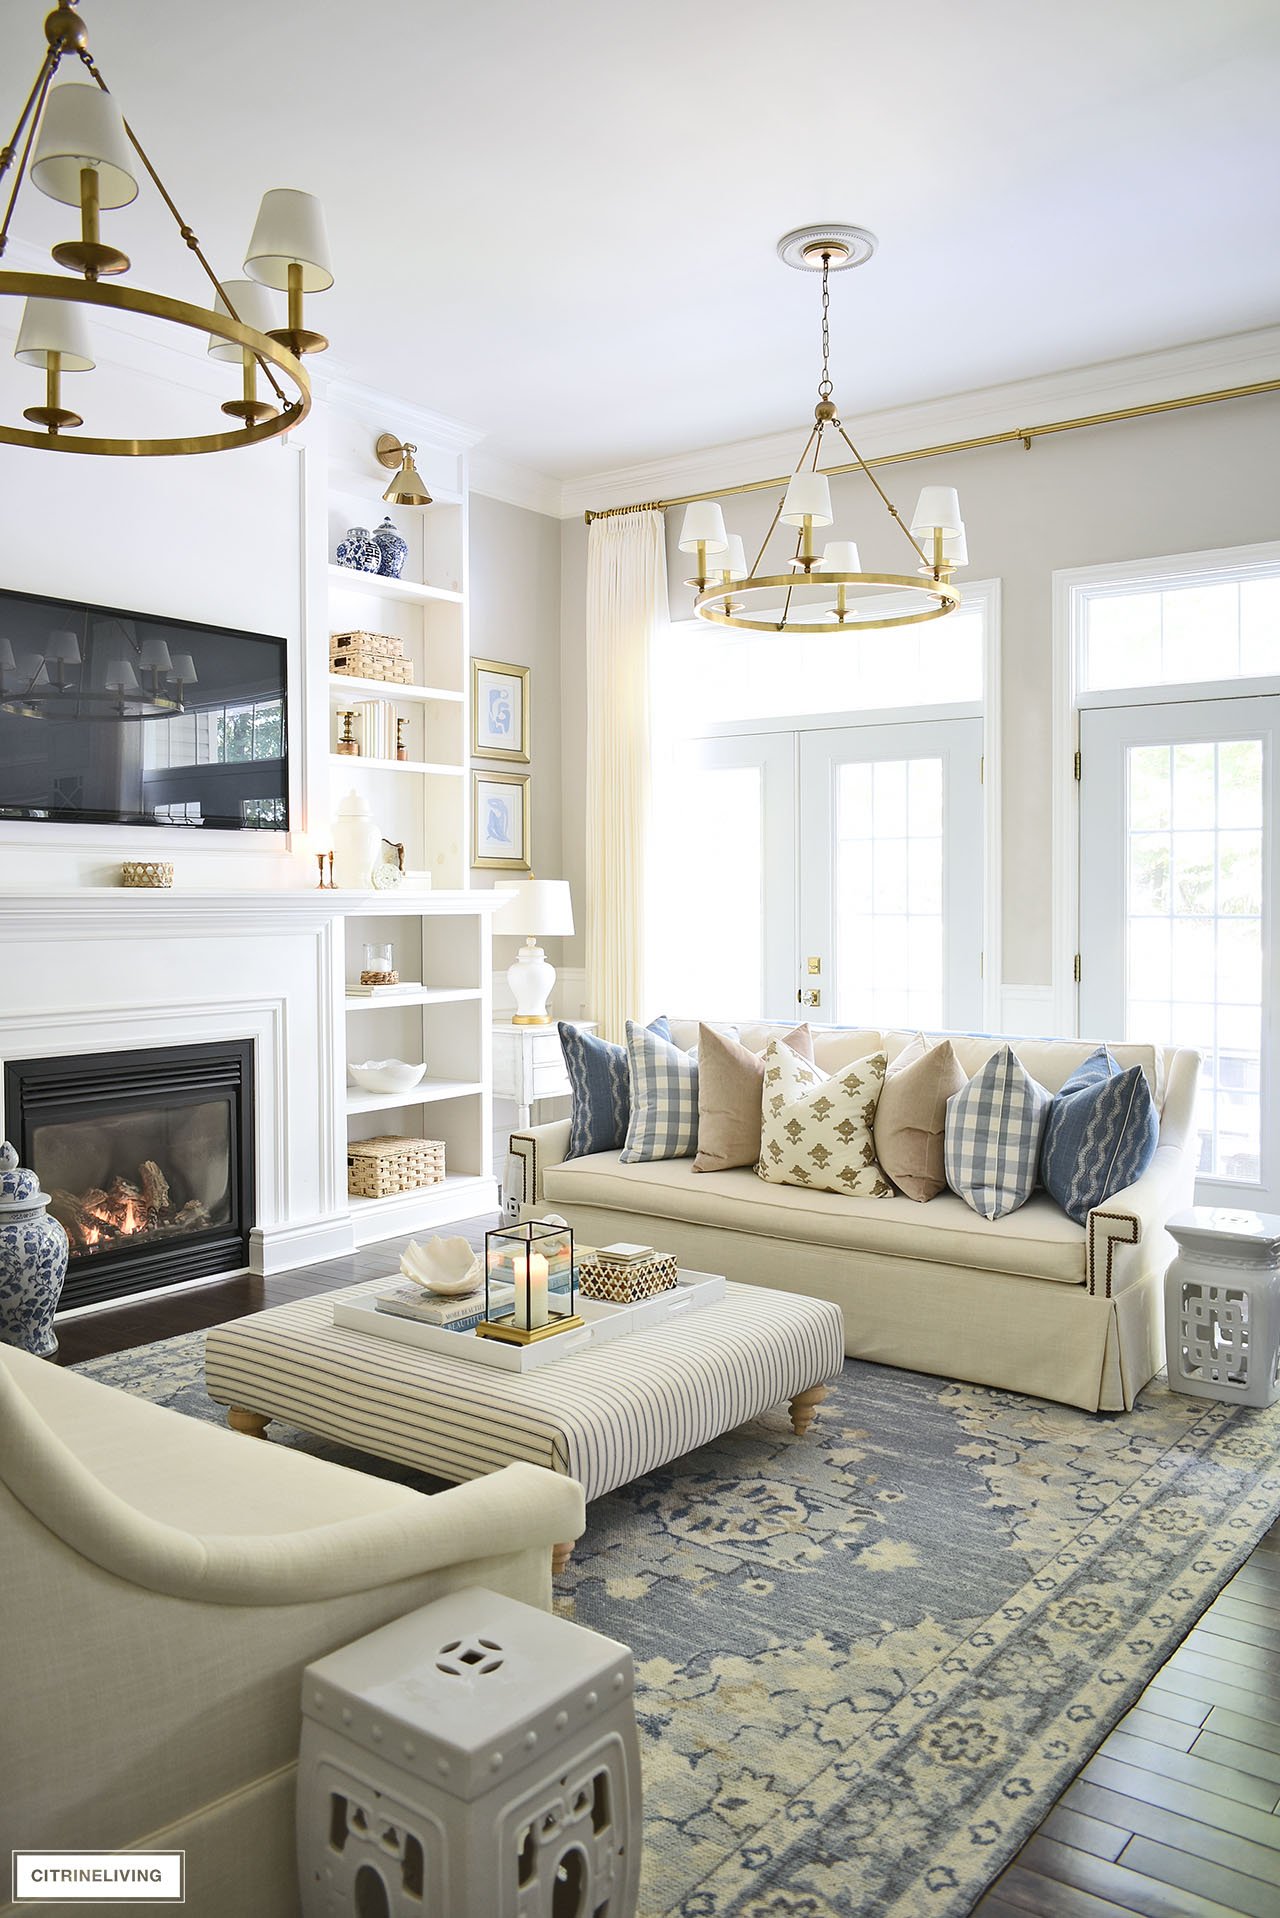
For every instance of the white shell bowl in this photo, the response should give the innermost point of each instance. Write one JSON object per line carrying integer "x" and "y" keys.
{"x": 386, "y": 1075}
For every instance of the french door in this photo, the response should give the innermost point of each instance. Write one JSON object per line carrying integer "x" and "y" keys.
{"x": 1179, "y": 878}
{"x": 835, "y": 872}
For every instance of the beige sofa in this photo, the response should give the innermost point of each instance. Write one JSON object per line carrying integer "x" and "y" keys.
{"x": 1031, "y": 1302}
{"x": 162, "y": 1585}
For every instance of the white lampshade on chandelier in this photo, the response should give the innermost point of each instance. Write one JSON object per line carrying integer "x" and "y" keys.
{"x": 84, "y": 154}
{"x": 537, "y": 908}
{"x": 805, "y": 591}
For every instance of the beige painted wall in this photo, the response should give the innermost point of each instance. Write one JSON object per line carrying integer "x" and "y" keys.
{"x": 1176, "y": 482}
{"x": 515, "y": 617}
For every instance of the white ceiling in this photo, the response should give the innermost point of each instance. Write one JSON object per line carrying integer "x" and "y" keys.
{"x": 556, "y": 221}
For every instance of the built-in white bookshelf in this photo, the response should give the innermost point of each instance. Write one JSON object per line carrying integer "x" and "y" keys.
{"x": 440, "y": 936}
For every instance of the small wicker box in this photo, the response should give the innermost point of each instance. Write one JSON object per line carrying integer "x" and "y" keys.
{"x": 624, "y": 1284}
{"x": 361, "y": 642}
{"x": 388, "y": 672}
{"x": 377, "y": 1168}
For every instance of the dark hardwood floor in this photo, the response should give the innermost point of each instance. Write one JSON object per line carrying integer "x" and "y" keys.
{"x": 1177, "y": 1814}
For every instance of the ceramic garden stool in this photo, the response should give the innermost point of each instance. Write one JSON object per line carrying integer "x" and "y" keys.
{"x": 476, "y": 1758}
{"x": 1222, "y": 1306}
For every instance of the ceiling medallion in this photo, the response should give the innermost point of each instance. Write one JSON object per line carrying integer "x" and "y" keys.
{"x": 810, "y": 592}
{"x": 72, "y": 142}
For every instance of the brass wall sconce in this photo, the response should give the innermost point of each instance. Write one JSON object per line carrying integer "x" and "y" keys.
{"x": 408, "y": 488}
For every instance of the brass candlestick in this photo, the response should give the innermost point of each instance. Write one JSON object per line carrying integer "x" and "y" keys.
{"x": 348, "y": 743}
{"x": 402, "y": 751}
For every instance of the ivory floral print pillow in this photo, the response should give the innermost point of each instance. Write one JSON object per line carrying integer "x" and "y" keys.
{"x": 817, "y": 1130}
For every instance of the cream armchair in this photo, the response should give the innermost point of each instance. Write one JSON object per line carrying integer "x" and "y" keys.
{"x": 162, "y": 1585}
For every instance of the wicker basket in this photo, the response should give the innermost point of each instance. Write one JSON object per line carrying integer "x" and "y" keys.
{"x": 624, "y": 1284}
{"x": 361, "y": 642}
{"x": 150, "y": 873}
{"x": 360, "y": 655}
{"x": 377, "y": 1168}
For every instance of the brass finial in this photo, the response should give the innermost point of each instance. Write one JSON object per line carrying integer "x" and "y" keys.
{"x": 65, "y": 30}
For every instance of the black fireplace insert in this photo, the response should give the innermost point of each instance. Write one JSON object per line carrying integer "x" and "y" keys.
{"x": 147, "y": 1157}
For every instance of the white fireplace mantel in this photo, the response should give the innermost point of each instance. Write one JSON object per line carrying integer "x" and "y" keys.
{"x": 115, "y": 912}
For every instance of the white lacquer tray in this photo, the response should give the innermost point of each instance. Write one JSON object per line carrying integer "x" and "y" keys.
{"x": 604, "y": 1323}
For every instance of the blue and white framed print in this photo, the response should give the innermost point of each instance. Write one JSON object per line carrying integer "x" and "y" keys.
{"x": 499, "y": 710}
{"x": 501, "y": 835}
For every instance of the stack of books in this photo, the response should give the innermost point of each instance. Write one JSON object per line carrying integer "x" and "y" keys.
{"x": 461, "y": 1314}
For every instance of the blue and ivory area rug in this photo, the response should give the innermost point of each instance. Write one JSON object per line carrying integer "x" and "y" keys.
{"x": 868, "y": 1660}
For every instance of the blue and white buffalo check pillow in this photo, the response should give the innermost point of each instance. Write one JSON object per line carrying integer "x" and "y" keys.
{"x": 600, "y": 1086}
{"x": 993, "y": 1133}
{"x": 1101, "y": 1136}
{"x": 664, "y": 1098}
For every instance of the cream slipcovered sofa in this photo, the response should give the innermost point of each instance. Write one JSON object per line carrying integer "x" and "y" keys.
{"x": 1031, "y": 1302}
{"x": 162, "y": 1585}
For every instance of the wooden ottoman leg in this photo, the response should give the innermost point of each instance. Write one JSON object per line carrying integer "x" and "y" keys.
{"x": 253, "y": 1424}
{"x": 560, "y": 1556}
{"x": 803, "y": 1407}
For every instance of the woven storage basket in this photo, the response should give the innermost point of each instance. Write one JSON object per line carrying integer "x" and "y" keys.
{"x": 624, "y": 1284}
{"x": 355, "y": 665}
{"x": 376, "y": 1168}
{"x": 361, "y": 642}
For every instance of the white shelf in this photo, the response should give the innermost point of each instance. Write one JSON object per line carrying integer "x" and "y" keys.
{"x": 426, "y": 1093}
{"x": 459, "y": 1195}
{"x": 396, "y": 765}
{"x": 382, "y": 689}
{"x": 346, "y": 579}
{"x": 424, "y": 996}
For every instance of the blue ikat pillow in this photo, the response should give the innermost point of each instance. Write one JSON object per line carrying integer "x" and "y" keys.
{"x": 1101, "y": 1135}
{"x": 600, "y": 1087}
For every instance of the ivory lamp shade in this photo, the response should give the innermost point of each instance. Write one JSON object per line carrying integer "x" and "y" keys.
{"x": 290, "y": 231}
{"x": 82, "y": 127}
{"x": 734, "y": 559}
{"x": 120, "y": 677}
{"x": 937, "y": 510}
{"x": 808, "y": 498}
{"x": 64, "y": 646}
{"x": 703, "y": 525}
{"x": 184, "y": 668}
{"x": 155, "y": 652}
{"x": 54, "y": 326}
{"x": 541, "y": 907}
{"x": 253, "y": 305}
{"x": 841, "y": 556}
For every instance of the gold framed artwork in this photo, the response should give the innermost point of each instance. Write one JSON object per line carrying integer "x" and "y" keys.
{"x": 501, "y": 827}
{"x": 499, "y": 711}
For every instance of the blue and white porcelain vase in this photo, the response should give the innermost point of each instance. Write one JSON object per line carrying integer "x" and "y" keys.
{"x": 359, "y": 550}
{"x": 33, "y": 1259}
{"x": 392, "y": 548}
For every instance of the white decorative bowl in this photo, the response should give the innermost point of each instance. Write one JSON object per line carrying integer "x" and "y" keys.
{"x": 386, "y": 1075}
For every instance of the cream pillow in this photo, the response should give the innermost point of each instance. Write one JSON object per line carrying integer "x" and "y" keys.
{"x": 730, "y": 1081}
{"x": 911, "y": 1117}
{"x": 817, "y": 1131}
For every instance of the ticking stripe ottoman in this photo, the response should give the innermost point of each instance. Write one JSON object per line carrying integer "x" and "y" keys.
{"x": 604, "y": 1416}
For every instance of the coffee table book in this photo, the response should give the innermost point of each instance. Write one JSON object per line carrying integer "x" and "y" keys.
{"x": 603, "y": 1324}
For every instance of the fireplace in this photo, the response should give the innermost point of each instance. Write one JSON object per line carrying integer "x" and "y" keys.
{"x": 147, "y": 1157}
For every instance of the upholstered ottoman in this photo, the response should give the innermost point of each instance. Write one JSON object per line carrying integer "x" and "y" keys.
{"x": 603, "y": 1416}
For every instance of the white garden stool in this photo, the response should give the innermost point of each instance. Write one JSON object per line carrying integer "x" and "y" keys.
{"x": 476, "y": 1758}
{"x": 1222, "y": 1306}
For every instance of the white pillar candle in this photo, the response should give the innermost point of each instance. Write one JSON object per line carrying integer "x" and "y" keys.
{"x": 531, "y": 1294}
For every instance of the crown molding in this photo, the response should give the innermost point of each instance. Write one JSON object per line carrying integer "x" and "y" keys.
{"x": 336, "y": 386}
{"x": 1236, "y": 359}
{"x": 516, "y": 485}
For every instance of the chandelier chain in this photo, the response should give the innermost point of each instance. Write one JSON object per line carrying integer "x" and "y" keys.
{"x": 824, "y": 384}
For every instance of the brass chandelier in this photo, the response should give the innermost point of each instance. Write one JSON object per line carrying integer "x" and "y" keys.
{"x": 72, "y": 142}
{"x": 820, "y": 591}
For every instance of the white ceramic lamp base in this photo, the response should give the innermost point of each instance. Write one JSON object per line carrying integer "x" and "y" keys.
{"x": 531, "y": 980}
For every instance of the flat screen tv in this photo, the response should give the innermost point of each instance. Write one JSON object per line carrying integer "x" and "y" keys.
{"x": 129, "y": 719}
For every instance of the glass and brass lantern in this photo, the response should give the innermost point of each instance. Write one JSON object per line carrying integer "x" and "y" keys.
{"x": 530, "y": 1285}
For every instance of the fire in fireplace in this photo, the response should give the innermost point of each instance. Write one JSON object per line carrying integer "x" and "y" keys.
{"x": 147, "y": 1157}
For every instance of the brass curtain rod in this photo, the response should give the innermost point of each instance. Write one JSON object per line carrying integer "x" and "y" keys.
{"x": 1024, "y": 433}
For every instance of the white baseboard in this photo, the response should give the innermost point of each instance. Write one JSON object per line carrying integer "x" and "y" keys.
{"x": 277, "y": 1248}
{"x": 1030, "y": 1012}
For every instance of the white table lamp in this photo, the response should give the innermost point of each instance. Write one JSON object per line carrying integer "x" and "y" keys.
{"x": 536, "y": 908}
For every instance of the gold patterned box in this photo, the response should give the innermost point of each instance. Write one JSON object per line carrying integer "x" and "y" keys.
{"x": 623, "y": 1284}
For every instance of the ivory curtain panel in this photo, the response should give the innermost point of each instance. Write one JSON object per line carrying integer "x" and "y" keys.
{"x": 626, "y": 601}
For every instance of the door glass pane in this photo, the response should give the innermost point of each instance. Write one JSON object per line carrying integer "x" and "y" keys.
{"x": 706, "y": 917}
{"x": 888, "y": 893}
{"x": 1163, "y": 635}
{"x": 1194, "y": 929}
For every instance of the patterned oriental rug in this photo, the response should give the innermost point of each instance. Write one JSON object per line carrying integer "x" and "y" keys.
{"x": 868, "y": 1660}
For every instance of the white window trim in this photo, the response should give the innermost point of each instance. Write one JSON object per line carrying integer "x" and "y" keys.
{"x": 1073, "y": 587}
{"x": 985, "y": 593}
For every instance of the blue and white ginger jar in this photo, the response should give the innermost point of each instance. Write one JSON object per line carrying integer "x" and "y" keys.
{"x": 393, "y": 549}
{"x": 33, "y": 1259}
{"x": 359, "y": 550}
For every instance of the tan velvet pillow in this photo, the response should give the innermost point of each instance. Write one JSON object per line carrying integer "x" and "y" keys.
{"x": 912, "y": 1115}
{"x": 730, "y": 1084}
